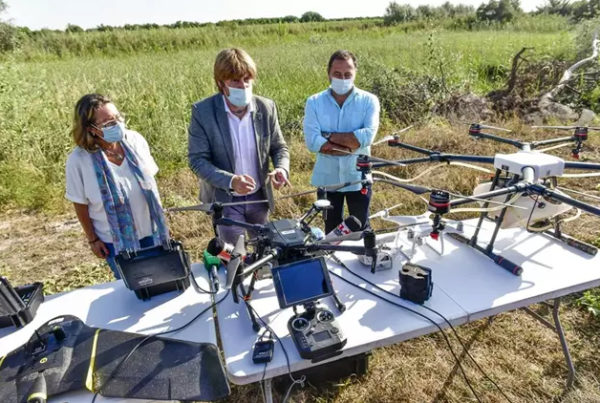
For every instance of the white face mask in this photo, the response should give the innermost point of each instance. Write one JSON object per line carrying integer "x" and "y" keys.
{"x": 240, "y": 97}
{"x": 341, "y": 87}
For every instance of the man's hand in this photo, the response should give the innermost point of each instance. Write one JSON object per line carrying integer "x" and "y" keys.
{"x": 347, "y": 140}
{"x": 331, "y": 149}
{"x": 243, "y": 184}
{"x": 279, "y": 178}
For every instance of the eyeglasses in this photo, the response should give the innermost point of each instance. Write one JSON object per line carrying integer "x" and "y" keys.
{"x": 116, "y": 119}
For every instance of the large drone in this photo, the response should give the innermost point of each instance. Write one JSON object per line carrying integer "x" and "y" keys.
{"x": 525, "y": 185}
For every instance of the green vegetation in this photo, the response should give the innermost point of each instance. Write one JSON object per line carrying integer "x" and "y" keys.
{"x": 155, "y": 90}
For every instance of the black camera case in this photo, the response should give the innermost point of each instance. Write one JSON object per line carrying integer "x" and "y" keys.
{"x": 155, "y": 270}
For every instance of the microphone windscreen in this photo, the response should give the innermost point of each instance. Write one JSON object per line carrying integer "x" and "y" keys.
{"x": 353, "y": 223}
{"x": 215, "y": 246}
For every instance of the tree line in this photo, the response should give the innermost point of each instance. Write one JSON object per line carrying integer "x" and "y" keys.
{"x": 498, "y": 11}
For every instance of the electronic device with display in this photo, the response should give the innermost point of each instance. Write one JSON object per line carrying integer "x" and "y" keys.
{"x": 281, "y": 242}
{"x": 315, "y": 332}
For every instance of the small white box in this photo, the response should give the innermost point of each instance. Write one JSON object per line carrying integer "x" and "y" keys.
{"x": 544, "y": 165}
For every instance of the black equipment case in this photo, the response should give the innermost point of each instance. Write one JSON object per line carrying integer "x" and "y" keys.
{"x": 155, "y": 270}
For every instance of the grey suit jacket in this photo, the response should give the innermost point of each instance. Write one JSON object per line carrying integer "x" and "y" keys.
{"x": 210, "y": 149}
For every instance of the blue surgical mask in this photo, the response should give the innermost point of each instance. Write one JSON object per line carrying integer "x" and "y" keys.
{"x": 113, "y": 133}
{"x": 240, "y": 97}
{"x": 341, "y": 87}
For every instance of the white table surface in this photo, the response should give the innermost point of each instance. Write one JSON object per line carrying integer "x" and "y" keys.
{"x": 113, "y": 306}
{"x": 467, "y": 286}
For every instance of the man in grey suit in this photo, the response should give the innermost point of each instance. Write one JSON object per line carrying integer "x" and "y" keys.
{"x": 232, "y": 136}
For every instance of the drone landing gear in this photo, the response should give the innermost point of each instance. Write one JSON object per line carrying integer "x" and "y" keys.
{"x": 488, "y": 251}
{"x": 569, "y": 240}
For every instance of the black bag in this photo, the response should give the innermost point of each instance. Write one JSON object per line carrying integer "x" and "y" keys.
{"x": 155, "y": 270}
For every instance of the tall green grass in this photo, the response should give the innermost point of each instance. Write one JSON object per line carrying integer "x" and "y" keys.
{"x": 155, "y": 90}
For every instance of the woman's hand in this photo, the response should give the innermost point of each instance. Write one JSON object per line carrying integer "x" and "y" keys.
{"x": 99, "y": 249}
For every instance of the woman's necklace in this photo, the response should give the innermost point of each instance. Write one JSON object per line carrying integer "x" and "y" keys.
{"x": 113, "y": 154}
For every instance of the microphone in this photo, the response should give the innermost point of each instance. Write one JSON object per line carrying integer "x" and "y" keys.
{"x": 211, "y": 263}
{"x": 221, "y": 249}
{"x": 371, "y": 248}
{"x": 341, "y": 232}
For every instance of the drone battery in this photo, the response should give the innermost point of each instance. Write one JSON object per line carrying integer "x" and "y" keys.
{"x": 415, "y": 283}
{"x": 263, "y": 351}
{"x": 19, "y": 305}
{"x": 156, "y": 270}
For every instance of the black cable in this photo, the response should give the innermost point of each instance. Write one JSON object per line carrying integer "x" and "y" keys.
{"x": 287, "y": 359}
{"x": 198, "y": 288}
{"x": 150, "y": 336}
{"x": 424, "y": 317}
{"x": 443, "y": 318}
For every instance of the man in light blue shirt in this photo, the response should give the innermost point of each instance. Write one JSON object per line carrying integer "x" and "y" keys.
{"x": 339, "y": 124}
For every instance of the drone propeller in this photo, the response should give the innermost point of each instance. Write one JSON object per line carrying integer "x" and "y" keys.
{"x": 566, "y": 127}
{"x": 208, "y": 207}
{"x": 484, "y": 126}
{"x": 392, "y": 136}
{"x": 239, "y": 251}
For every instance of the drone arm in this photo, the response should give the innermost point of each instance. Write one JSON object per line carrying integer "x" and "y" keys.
{"x": 544, "y": 191}
{"x": 499, "y": 139}
{"x": 439, "y": 157}
{"x": 582, "y": 165}
{"x": 260, "y": 263}
{"x": 548, "y": 142}
{"x": 357, "y": 250}
{"x": 395, "y": 143}
{"x": 489, "y": 195}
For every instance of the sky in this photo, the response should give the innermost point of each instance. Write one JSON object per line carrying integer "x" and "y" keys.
{"x": 56, "y": 14}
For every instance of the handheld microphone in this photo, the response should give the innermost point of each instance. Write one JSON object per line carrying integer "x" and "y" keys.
{"x": 349, "y": 225}
{"x": 371, "y": 248}
{"x": 223, "y": 250}
{"x": 211, "y": 263}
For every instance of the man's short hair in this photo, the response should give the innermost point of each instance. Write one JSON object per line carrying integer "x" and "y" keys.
{"x": 341, "y": 55}
{"x": 233, "y": 64}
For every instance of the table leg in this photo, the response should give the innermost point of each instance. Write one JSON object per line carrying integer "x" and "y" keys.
{"x": 557, "y": 328}
{"x": 563, "y": 343}
{"x": 268, "y": 391}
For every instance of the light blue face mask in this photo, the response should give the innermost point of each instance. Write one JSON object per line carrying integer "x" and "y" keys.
{"x": 341, "y": 87}
{"x": 240, "y": 97}
{"x": 113, "y": 133}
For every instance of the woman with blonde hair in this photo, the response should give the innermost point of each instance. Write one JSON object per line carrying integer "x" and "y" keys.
{"x": 110, "y": 180}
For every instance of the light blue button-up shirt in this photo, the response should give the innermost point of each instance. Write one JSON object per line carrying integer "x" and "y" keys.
{"x": 358, "y": 114}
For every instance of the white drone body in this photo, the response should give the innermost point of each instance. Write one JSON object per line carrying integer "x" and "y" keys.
{"x": 542, "y": 166}
{"x": 418, "y": 229}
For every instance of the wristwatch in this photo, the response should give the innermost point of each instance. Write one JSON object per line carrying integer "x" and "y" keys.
{"x": 326, "y": 135}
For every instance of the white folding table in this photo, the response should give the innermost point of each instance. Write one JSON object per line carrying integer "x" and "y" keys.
{"x": 467, "y": 286}
{"x": 112, "y": 306}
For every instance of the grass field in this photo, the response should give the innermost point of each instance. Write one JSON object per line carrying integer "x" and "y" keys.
{"x": 41, "y": 240}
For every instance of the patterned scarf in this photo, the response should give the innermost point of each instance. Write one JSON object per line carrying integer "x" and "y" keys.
{"x": 117, "y": 207}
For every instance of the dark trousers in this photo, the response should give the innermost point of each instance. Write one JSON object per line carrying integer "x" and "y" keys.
{"x": 250, "y": 213}
{"x": 358, "y": 206}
